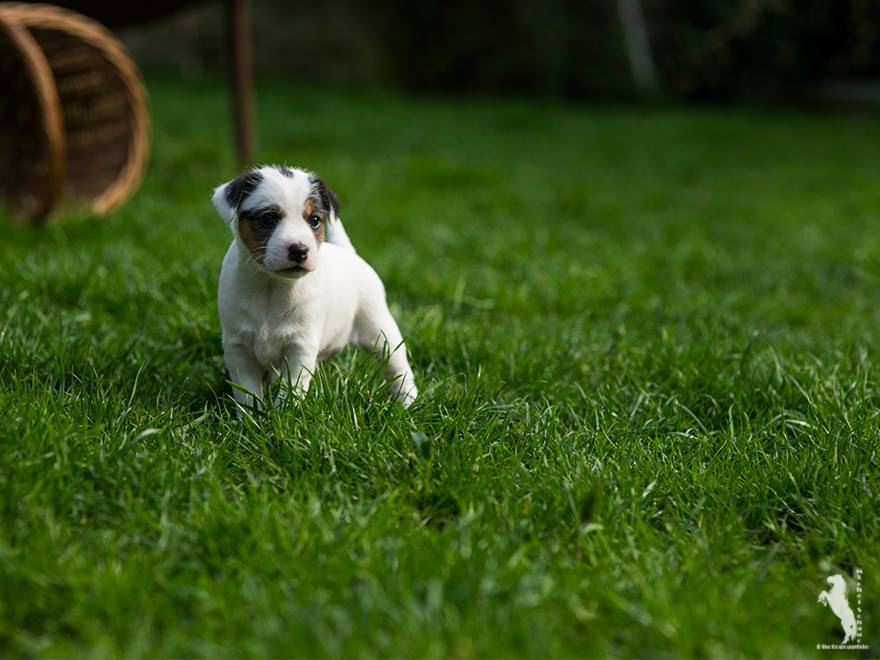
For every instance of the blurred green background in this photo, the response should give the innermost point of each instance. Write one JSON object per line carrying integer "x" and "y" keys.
{"x": 711, "y": 50}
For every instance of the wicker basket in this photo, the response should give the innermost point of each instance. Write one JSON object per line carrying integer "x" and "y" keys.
{"x": 74, "y": 127}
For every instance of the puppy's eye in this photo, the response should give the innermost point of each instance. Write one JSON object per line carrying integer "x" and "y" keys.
{"x": 314, "y": 221}
{"x": 268, "y": 219}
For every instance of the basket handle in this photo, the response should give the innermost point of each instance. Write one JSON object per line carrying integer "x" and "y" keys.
{"x": 52, "y": 119}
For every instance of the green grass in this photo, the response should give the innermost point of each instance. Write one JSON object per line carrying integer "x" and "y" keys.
{"x": 647, "y": 348}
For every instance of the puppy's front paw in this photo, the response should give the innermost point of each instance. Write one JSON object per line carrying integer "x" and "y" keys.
{"x": 408, "y": 397}
{"x": 404, "y": 392}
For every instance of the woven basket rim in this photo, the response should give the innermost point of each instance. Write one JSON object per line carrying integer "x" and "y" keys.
{"x": 51, "y": 17}
{"x": 49, "y": 107}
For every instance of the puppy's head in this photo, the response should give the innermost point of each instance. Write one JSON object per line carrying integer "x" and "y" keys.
{"x": 280, "y": 215}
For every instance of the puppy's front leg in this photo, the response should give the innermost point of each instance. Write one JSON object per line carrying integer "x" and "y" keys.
{"x": 299, "y": 365}
{"x": 246, "y": 375}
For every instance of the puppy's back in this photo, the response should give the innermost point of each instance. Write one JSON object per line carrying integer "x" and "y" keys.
{"x": 336, "y": 235}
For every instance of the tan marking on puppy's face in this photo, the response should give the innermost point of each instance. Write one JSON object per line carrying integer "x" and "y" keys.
{"x": 256, "y": 227}
{"x": 310, "y": 208}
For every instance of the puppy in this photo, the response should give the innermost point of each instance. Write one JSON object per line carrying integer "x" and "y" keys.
{"x": 293, "y": 291}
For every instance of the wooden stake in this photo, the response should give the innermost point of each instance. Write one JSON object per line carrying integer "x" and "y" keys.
{"x": 242, "y": 79}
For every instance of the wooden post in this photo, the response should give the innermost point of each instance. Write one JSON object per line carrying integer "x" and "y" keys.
{"x": 242, "y": 79}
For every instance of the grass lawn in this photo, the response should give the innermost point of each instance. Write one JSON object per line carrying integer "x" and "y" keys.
{"x": 647, "y": 348}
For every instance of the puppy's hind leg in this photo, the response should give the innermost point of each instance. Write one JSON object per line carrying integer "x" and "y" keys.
{"x": 377, "y": 332}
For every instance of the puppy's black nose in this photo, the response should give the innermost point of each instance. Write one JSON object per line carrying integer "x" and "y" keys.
{"x": 298, "y": 252}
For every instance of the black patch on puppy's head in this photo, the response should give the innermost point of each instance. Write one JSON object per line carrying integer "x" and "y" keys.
{"x": 242, "y": 186}
{"x": 328, "y": 199}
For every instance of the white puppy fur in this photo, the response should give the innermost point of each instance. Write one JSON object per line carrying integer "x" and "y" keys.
{"x": 293, "y": 291}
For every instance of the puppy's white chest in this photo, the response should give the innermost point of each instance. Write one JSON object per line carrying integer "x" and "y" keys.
{"x": 272, "y": 325}
{"x": 267, "y": 345}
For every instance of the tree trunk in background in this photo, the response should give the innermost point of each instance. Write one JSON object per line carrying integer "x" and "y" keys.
{"x": 638, "y": 45}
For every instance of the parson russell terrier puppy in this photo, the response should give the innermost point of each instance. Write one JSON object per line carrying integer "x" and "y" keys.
{"x": 293, "y": 291}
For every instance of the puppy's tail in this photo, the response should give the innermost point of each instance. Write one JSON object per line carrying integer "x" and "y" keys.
{"x": 336, "y": 235}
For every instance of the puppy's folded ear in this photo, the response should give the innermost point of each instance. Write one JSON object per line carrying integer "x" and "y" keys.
{"x": 332, "y": 201}
{"x": 228, "y": 197}
{"x": 335, "y": 232}
{"x": 329, "y": 200}
{"x": 226, "y": 211}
